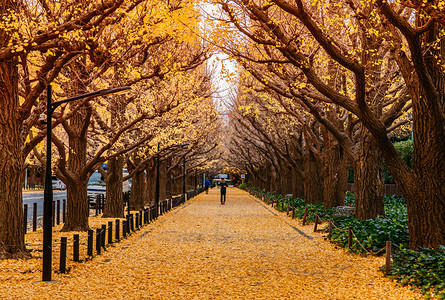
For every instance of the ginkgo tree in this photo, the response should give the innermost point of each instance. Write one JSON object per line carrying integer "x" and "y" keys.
{"x": 38, "y": 40}
{"x": 34, "y": 47}
{"x": 411, "y": 38}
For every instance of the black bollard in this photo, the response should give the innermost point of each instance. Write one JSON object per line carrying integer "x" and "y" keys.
{"x": 117, "y": 229}
{"x": 98, "y": 240}
{"x": 76, "y": 247}
{"x": 90, "y": 242}
{"x": 54, "y": 213}
{"x": 136, "y": 223}
{"x": 110, "y": 232}
{"x": 58, "y": 212}
{"x": 63, "y": 242}
{"x": 124, "y": 228}
{"x": 131, "y": 222}
{"x": 97, "y": 204}
{"x": 103, "y": 233}
{"x": 34, "y": 217}
{"x": 63, "y": 210}
{"x": 25, "y": 216}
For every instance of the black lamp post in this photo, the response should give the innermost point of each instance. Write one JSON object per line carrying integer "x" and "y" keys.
{"x": 157, "y": 182}
{"x": 48, "y": 193}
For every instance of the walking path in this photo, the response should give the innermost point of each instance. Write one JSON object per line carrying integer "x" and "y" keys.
{"x": 204, "y": 250}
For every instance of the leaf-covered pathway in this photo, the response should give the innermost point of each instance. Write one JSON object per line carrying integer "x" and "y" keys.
{"x": 204, "y": 250}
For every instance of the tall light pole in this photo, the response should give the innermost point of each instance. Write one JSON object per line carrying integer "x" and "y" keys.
{"x": 183, "y": 178}
{"x": 157, "y": 182}
{"x": 48, "y": 193}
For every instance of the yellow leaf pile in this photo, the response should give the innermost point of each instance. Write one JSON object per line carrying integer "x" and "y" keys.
{"x": 205, "y": 250}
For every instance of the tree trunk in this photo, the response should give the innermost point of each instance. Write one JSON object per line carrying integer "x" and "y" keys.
{"x": 163, "y": 182}
{"x": 12, "y": 234}
{"x": 297, "y": 184}
{"x": 114, "y": 207}
{"x": 369, "y": 187}
{"x": 138, "y": 188}
{"x": 150, "y": 187}
{"x": 77, "y": 210}
{"x": 313, "y": 180}
{"x": 334, "y": 173}
{"x": 77, "y": 200}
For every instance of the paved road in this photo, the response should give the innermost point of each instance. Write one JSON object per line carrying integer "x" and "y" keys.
{"x": 31, "y": 197}
{"x": 205, "y": 250}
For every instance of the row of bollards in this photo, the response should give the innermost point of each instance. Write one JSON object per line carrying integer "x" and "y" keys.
{"x": 104, "y": 234}
{"x": 57, "y": 212}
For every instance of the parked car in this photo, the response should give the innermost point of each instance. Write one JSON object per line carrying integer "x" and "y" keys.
{"x": 57, "y": 183}
{"x": 97, "y": 185}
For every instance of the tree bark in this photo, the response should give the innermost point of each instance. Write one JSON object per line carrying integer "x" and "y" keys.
{"x": 77, "y": 200}
{"x": 138, "y": 188}
{"x": 369, "y": 187}
{"x": 313, "y": 180}
{"x": 150, "y": 187}
{"x": 335, "y": 171}
{"x": 114, "y": 207}
{"x": 12, "y": 234}
{"x": 297, "y": 184}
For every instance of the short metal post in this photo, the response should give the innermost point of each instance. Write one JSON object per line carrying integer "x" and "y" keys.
{"x": 330, "y": 228}
{"x": 90, "y": 242}
{"x": 58, "y": 212}
{"x": 103, "y": 233}
{"x": 287, "y": 209}
{"x": 64, "y": 210}
{"x": 63, "y": 242}
{"x": 98, "y": 240}
{"x": 316, "y": 222}
{"x": 110, "y": 232}
{"x": 388, "y": 258}
{"x": 54, "y": 213}
{"x": 349, "y": 237}
{"x": 34, "y": 217}
{"x": 136, "y": 221}
{"x": 97, "y": 204}
{"x": 117, "y": 229}
{"x": 76, "y": 247}
{"x": 124, "y": 228}
{"x": 25, "y": 216}
{"x": 131, "y": 222}
{"x": 305, "y": 215}
{"x": 293, "y": 212}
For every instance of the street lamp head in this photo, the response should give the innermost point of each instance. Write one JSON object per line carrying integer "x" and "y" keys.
{"x": 98, "y": 93}
{"x": 180, "y": 145}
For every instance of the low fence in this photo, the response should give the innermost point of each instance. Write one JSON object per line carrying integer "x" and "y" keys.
{"x": 279, "y": 204}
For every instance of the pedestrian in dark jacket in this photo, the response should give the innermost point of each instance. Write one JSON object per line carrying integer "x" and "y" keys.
{"x": 223, "y": 186}
{"x": 207, "y": 184}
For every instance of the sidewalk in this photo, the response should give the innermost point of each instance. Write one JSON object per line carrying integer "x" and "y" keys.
{"x": 204, "y": 250}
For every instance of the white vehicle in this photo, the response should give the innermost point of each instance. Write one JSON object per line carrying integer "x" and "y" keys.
{"x": 57, "y": 183}
{"x": 97, "y": 185}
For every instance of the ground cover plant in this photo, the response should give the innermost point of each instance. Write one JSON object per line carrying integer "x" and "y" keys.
{"x": 424, "y": 268}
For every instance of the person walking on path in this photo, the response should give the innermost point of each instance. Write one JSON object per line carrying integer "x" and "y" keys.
{"x": 223, "y": 185}
{"x": 207, "y": 184}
